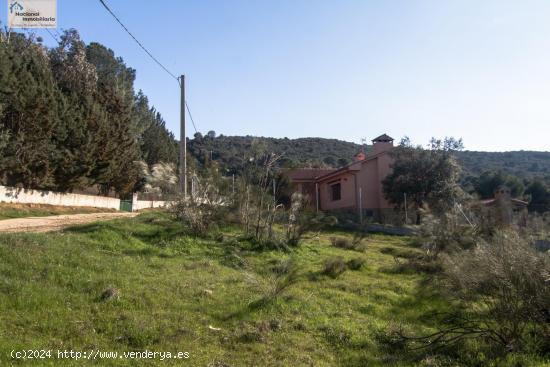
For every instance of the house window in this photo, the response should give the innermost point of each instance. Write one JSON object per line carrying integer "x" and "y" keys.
{"x": 335, "y": 191}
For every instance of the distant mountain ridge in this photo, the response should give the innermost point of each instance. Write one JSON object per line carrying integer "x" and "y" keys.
{"x": 231, "y": 151}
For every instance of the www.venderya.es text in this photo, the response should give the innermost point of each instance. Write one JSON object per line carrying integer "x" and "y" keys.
{"x": 95, "y": 354}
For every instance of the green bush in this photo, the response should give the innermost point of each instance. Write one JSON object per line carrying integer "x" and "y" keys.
{"x": 334, "y": 266}
{"x": 345, "y": 243}
{"x": 356, "y": 264}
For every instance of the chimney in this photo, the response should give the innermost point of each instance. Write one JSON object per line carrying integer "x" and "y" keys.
{"x": 360, "y": 156}
{"x": 383, "y": 143}
{"x": 502, "y": 193}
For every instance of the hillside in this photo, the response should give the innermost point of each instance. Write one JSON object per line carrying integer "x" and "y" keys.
{"x": 523, "y": 164}
{"x": 229, "y": 151}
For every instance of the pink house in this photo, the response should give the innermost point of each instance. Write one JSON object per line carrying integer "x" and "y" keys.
{"x": 356, "y": 187}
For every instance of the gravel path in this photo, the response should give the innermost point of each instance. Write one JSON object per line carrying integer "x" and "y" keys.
{"x": 56, "y": 222}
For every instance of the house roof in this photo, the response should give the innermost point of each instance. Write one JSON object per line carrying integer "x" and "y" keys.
{"x": 515, "y": 202}
{"x": 307, "y": 174}
{"x": 383, "y": 138}
{"x": 318, "y": 174}
{"x": 347, "y": 168}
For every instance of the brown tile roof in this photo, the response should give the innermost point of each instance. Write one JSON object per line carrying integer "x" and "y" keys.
{"x": 307, "y": 174}
{"x": 516, "y": 202}
{"x": 383, "y": 137}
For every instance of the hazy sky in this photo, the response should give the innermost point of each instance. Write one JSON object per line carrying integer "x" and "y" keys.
{"x": 479, "y": 70}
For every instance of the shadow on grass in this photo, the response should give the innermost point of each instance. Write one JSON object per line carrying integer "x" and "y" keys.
{"x": 146, "y": 232}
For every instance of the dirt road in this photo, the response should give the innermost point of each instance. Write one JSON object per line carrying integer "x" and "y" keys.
{"x": 56, "y": 222}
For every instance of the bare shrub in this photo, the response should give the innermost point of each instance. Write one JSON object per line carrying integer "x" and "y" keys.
{"x": 296, "y": 225}
{"x": 512, "y": 282}
{"x": 254, "y": 199}
{"x": 305, "y": 221}
{"x": 201, "y": 212}
{"x": 450, "y": 231}
{"x": 505, "y": 282}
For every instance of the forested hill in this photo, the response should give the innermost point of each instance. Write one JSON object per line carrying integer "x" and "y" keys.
{"x": 523, "y": 164}
{"x": 229, "y": 152}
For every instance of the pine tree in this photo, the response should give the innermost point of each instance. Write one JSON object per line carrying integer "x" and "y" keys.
{"x": 29, "y": 114}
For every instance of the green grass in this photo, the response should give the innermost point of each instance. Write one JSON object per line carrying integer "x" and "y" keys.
{"x": 9, "y": 211}
{"x": 178, "y": 293}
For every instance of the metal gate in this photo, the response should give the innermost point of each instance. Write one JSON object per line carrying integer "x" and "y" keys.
{"x": 126, "y": 205}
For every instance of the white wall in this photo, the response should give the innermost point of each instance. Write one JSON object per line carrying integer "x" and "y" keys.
{"x": 12, "y": 195}
{"x": 145, "y": 204}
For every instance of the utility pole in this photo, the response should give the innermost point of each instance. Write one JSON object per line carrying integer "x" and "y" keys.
{"x": 183, "y": 141}
{"x": 406, "y": 212}
{"x": 274, "y": 191}
{"x": 317, "y": 197}
{"x": 361, "y": 205}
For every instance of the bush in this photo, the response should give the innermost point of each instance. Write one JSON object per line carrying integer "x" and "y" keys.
{"x": 203, "y": 211}
{"x": 301, "y": 221}
{"x": 276, "y": 284}
{"x": 356, "y": 264}
{"x": 511, "y": 280}
{"x": 447, "y": 233}
{"x": 347, "y": 244}
{"x": 334, "y": 266}
{"x": 283, "y": 266}
{"x": 341, "y": 242}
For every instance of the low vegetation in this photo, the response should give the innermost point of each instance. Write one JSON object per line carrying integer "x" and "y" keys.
{"x": 145, "y": 283}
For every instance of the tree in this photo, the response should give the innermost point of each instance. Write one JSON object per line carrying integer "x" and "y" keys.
{"x": 28, "y": 104}
{"x": 540, "y": 197}
{"x": 486, "y": 184}
{"x": 426, "y": 176}
{"x": 329, "y": 161}
{"x": 211, "y": 134}
{"x": 117, "y": 137}
{"x": 80, "y": 115}
{"x": 69, "y": 118}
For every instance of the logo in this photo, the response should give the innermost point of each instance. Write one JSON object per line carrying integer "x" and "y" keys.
{"x": 15, "y": 6}
{"x": 32, "y": 13}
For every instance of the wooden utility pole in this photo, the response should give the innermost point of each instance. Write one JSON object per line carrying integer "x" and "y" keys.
{"x": 183, "y": 141}
{"x": 360, "y": 205}
{"x": 406, "y": 212}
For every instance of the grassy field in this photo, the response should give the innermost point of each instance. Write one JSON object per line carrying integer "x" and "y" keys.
{"x": 142, "y": 284}
{"x": 9, "y": 211}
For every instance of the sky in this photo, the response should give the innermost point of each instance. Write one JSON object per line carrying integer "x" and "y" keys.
{"x": 348, "y": 69}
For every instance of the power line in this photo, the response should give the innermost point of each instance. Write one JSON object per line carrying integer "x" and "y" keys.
{"x": 191, "y": 116}
{"x": 135, "y": 39}
{"x": 31, "y": 32}
{"x": 56, "y": 33}
{"x": 51, "y": 34}
{"x": 150, "y": 55}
